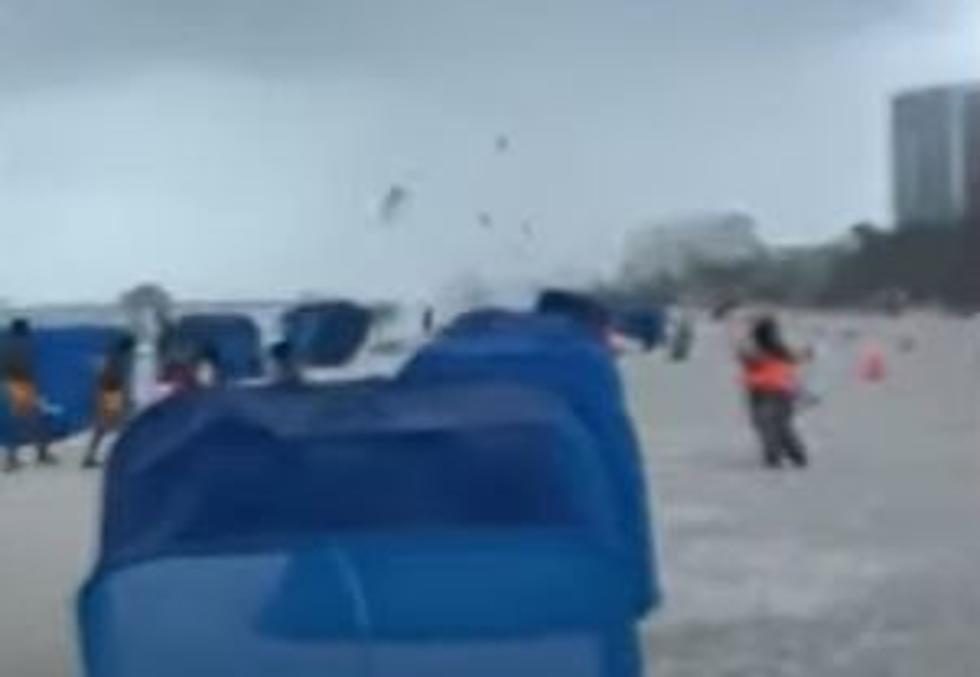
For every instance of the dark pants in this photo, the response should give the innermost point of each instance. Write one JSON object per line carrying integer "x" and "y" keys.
{"x": 112, "y": 408}
{"x": 28, "y": 428}
{"x": 772, "y": 417}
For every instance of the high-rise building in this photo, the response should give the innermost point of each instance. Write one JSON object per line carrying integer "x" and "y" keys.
{"x": 971, "y": 258}
{"x": 936, "y": 146}
{"x": 973, "y": 160}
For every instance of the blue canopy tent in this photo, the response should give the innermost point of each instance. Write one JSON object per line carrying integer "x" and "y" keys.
{"x": 327, "y": 334}
{"x": 500, "y": 320}
{"x": 66, "y": 362}
{"x": 648, "y": 326}
{"x": 581, "y": 308}
{"x": 234, "y": 338}
{"x": 562, "y": 357}
{"x": 365, "y": 530}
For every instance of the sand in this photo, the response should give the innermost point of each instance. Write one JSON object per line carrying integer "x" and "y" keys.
{"x": 866, "y": 565}
{"x": 48, "y": 526}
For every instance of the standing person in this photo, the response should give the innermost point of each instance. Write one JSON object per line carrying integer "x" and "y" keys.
{"x": 180, "y": 362}
{"x": 180, "y": 375}
{"x": 111, "y": 397}
{"x": 770, "y": 374}
{"x": 682, "y": 340}
{"x": 285, "y": 369}
{"x": 26, "y": 409}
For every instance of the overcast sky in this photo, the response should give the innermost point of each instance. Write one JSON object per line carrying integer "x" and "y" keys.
{"x": 244, "y": 147}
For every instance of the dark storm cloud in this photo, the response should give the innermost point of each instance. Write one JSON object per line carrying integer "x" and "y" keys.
{"x": 50, "y": 41}
{"x": 53, "y": 41}
{"x": 191, "y": 123}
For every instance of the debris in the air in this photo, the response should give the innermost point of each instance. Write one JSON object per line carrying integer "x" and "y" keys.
{"x": 502, "y": 143}
{"x": 485, "y": 220}
{"x": 394, "y": 203}
{"x": 527, "y": 229}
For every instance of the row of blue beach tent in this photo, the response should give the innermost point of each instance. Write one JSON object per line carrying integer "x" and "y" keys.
{"x": 643, "y": 324}
{"x": 482, "y": 513}
{"x": 327, "y": 334}
{"x": 67, "y": 359}
{"x": 66, "y": 366}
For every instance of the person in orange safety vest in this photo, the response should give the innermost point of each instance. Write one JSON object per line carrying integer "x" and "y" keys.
{"x": 771, "y": 378}
{"x": 24, "y": 399}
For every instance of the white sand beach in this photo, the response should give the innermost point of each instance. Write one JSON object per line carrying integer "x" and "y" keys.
{"x": 864, "y": 565}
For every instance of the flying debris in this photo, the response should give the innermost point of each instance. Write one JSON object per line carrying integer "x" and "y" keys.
{"x": 394, "y": 203}
{"x": 725, "y": 308}
{"x": 502, "y": 143}
{"x": 528, "y": 230}
{"x": 485, "y": 220}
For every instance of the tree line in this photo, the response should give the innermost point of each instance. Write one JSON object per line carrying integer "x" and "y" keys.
{"x": 872, "y": 267}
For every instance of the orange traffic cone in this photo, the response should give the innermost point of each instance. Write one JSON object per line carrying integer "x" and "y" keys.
{"x": 872, "y": 367}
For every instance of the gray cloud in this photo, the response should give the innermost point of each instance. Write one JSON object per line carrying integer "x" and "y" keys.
{"x": 52, "y": 40}
{"x": 189, "y": 124}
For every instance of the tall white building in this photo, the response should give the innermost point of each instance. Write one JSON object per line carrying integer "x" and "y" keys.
{"x": 934, "y": 147}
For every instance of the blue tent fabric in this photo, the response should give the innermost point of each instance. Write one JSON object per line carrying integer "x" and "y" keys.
{"x": 151, "y": 474}
{"x": 364, "y": 529}
{"x": 560, "y": 584}
{"x": 235, "y": 339}
{"x": 326, "y": 334}
{"x": 483, "y": 320}
{"x": 582, "y": 308}
{"x": 561, "y": 357}
{"x": 544, "y": 328}
{"x": 645, "y": 325}
{"x": 67, "y": 362}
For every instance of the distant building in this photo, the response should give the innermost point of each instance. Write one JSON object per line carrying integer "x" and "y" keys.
{"x": 672, "y": 247}
{"x": 936, "y": 145}
{"x": 973, "y": 160}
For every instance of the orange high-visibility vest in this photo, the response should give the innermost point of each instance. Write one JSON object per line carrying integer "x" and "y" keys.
{"x": 770, "y": 375}
{"x": 23, "y": 397}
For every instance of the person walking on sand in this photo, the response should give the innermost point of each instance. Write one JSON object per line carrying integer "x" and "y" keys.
{"x": 26, "y": 407}
{"x": 682, "y": 340}
{"x": 770, "y": 375}
{"x": 111, "y": 397}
